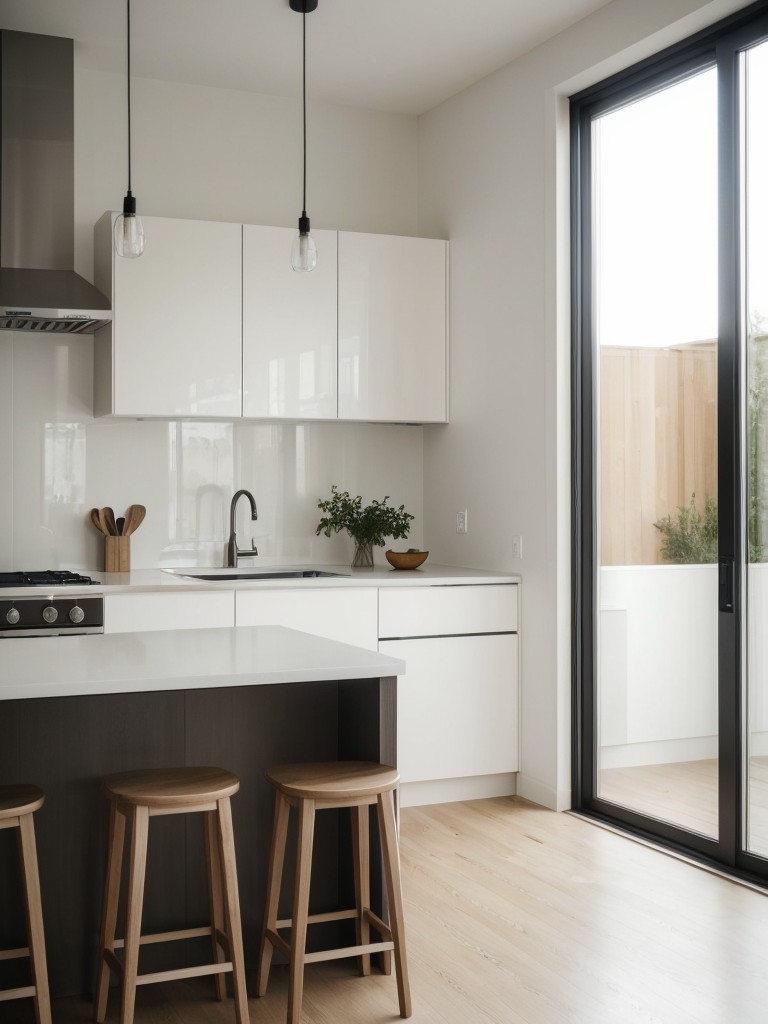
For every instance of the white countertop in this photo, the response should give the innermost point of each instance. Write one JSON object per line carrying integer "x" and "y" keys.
{"x": 180, "y": 660}
{"x": 380, "y": 576}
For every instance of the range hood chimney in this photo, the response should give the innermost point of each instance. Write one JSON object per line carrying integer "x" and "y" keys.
{"x": 39, "y": 290}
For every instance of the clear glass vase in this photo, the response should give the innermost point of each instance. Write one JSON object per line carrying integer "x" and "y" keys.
{"x": 363, "y": 558}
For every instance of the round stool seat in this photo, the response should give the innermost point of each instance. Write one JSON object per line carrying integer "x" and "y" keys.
{"x": 165, "y": 787}
{"x": 16, "y": 800}
{"x": 333, "y": 780}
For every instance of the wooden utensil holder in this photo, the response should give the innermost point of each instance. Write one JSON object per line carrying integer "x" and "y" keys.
{"x": 117, "y": 554}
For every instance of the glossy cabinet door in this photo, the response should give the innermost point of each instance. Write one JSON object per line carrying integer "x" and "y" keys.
{"x": 289, "y": 327}
{"x": 392, "y": 328}
{"x": 457, "y": 706}
{"x": 458, "y": 701}
{"x": 173, "y": 348}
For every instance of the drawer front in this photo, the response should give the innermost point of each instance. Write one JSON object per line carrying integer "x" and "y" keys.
{"x": 131, "y": 613}
{"x": 348, "y": 616}
{"x": 446, "y": 611}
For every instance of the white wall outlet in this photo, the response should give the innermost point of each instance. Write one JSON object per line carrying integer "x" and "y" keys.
{"x": 517, "y": 546}
{"x": 461, "y": 522}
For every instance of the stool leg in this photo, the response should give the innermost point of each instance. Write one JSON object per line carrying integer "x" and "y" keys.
{"x": 137, "y": 872}
{"x": 34, "y": 907}
{"x": 362, "y": 867}
{"x": 109, "y": 908}
{"x": 215, "y": 898}
{"x": 232, "y": 903}
{"x": 300, "y": 909}
{"x": 276, "y": 861}
{"x": 391, "y": 858}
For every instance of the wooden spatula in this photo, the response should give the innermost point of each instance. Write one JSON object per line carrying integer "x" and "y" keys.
{"x": 134, "y": 517}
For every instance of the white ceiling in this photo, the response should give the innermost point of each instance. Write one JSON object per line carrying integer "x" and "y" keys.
{"x": 402, "y": 56}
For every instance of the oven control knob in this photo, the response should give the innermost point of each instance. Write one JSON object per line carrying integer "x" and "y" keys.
{"x": 12, "y": 616}
{"x": 50, "y": 613}
{"x": 76, "y": 614}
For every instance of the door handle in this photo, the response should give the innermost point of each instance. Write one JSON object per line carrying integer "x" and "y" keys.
{"x": 725, "y": 585}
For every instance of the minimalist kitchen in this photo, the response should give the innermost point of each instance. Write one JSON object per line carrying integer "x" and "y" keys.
{"x": 287, "y": 519}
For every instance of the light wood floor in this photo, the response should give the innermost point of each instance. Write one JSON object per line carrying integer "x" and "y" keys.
{"x": 685, "y": 793}
{"x": 517, "y": 914}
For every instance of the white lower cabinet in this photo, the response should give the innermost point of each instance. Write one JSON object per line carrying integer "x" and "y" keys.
{"x": 458, "y": 703}
{"x": 131, "y": 613}
{"x": 457, "y": 706}
{"x": 348, "y": 616}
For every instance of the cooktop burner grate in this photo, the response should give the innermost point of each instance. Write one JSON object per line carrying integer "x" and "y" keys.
{"x": 45, "y": 578}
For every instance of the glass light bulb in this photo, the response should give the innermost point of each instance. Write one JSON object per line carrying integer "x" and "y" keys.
{"x": 129, "y": 236}
{"x": 303, "y": 252}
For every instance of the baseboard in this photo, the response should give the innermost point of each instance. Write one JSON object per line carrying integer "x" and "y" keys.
{"x": 632, "y": 755}
{"x": 448, "y": 791}
{"x": 542, "y": 793}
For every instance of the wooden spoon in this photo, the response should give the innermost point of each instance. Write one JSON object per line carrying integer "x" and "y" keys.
{"x": 96, "y": 520}
{"x": 104, "y": 523}
{"x": 134, "y": 517}
{"x": 109, "y": 519}
{"x": 120, "y": 521}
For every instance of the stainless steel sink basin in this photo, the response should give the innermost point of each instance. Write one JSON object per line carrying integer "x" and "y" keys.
{"x": 214, "y": 575}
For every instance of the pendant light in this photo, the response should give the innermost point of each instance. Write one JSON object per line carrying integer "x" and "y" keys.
{"x": 304, "y": 250}
{"x": 129, "y": 231}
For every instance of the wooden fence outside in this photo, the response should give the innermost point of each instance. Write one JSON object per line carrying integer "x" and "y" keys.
{"x": 657, "y": 443}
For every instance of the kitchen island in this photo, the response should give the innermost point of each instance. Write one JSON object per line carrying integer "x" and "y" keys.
{"x": 77, "y": 708}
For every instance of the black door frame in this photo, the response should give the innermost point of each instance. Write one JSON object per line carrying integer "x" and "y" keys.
{"x": 718, "y": 46}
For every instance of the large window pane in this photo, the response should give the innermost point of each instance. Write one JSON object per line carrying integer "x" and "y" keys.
{"x": 655, "y": 301}
{"x": 756, "y": 191}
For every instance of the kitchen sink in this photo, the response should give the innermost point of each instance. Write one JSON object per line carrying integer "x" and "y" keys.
{"x": 214, "y": 575}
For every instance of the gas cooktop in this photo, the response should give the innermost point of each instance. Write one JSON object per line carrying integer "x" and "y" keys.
{"x": 45, "y": 578}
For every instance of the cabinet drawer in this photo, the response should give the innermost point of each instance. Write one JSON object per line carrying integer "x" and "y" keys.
{"x": 348, "y": 616}
{"x": 131, "y": 613}
{"x": 444, "y": 611}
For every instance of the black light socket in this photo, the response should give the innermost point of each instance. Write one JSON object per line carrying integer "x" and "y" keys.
{"x": 129, "y": 203}
{"x": 304, "y": 223}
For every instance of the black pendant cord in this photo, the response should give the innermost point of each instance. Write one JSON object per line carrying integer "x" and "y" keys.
{"x": 128, "y": 7}
{"x": 304, "y": 103}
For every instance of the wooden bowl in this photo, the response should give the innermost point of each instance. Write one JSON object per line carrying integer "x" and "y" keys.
{"x": 406, "y": 559}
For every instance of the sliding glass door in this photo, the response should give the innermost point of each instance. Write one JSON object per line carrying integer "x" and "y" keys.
{"x": 755, "y": 96}
{"x": 670, "y": 167}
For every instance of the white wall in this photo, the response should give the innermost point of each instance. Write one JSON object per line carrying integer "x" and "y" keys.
{"x": 220, "y": 155}
{"x": 493, "y": 173}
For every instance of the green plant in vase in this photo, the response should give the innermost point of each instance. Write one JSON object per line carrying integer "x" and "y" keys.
{"x": 369, "y": 526}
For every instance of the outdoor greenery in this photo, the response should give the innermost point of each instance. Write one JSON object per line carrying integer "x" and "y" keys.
{"x": 689, "y": 538}
{"x": 370, "y": 525}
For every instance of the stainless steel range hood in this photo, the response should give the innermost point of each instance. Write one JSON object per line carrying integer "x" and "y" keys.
{"x": 39, "y": 290}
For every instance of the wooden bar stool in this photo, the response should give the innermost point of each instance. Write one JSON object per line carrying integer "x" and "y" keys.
{"x": 315, "y": 787}
{"x": 17, "y": 805}
{"x": 136, "y": 797}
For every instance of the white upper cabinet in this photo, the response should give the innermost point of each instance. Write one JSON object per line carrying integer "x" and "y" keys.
{"x": 174, "y": 347}
{"x": 289, "y": 327}
{"x": 392, "y": 328}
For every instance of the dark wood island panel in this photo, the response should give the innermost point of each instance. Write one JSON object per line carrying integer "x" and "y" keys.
{"x": 67, "y": 744}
